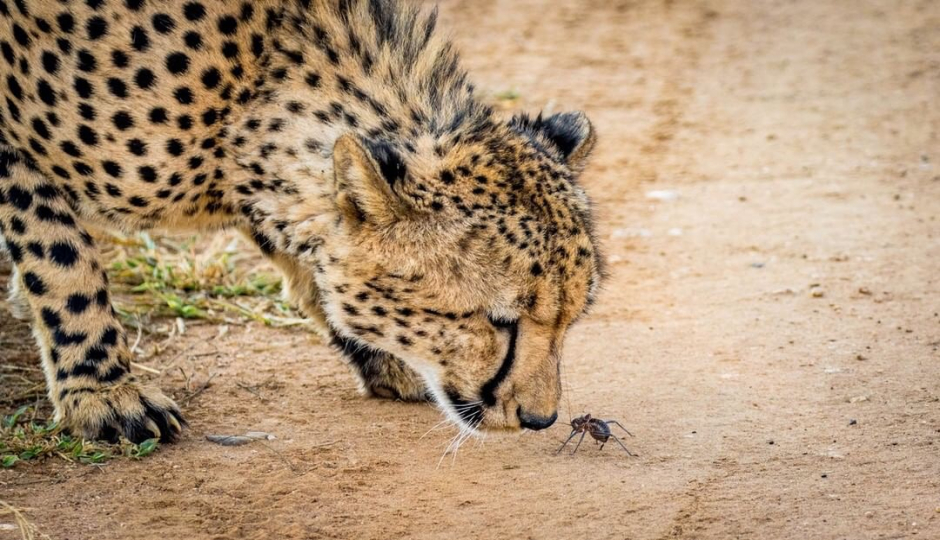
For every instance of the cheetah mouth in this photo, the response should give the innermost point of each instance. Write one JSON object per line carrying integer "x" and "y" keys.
{"x": 472, "y": 412}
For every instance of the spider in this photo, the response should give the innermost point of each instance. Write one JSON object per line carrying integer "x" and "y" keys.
{"x": 599, "y": 430}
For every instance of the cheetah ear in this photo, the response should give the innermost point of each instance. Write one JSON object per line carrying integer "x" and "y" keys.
{"x": 570, "y": 133}
{"x": 366, "y": 172}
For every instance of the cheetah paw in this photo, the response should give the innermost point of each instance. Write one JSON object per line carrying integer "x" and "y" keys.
{"x": 395, "y": 380}
{"x": 136, "y": 412}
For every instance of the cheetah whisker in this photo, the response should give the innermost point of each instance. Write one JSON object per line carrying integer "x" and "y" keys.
{"x": 465, "y": 432}
{"x": 443, "y": 424}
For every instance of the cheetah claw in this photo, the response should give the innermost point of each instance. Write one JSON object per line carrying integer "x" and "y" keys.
{"x": 135, "y": 412}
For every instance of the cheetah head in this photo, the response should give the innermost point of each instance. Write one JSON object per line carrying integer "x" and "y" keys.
{"x": 467, "y": 256}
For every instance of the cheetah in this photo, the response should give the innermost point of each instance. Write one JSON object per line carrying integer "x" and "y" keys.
{"x": 442, "y": 250}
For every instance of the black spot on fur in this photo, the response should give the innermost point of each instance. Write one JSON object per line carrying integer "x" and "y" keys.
{"x": 50, "y": 318}
{"x": 177, "y": 63}
{"x": 96, "y": 27}
{"x": 194, "y": 11}
{"x": 34, "y": 284}
{"x": 21, "y": 199}
{"x": 77, "y": 303}
{"x": 63, "y": 254}
{"x": 163, "y": 23}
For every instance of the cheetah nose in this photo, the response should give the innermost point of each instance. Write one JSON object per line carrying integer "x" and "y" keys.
{"x": 534, "y": 422}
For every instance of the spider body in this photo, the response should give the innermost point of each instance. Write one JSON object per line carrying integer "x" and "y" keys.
{"x": 598, "y": 429}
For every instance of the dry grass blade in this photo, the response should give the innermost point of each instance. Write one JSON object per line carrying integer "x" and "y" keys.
{"x": 195, "y": 393}
{"x": 28, "y": 531}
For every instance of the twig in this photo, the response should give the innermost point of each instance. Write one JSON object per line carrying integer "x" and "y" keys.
{"x": 140, "y": 334}
{"x": 201, "y": 389}
{"x": 18, "y": 368}
{"x": 323, "y": 445}
{"x": 251, "y": 389}
{"x": 282, "y": 458}
{"x": 146, "y": 368}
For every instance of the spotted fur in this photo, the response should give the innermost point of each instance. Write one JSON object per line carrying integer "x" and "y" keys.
{"x": 442, "y": 250}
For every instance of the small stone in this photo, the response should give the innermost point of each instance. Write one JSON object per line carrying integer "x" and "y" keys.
{"x": 869, "y": 514}
{"x": 853, "y": 422}
{"x": 662, "y": 195}
{"x": 825, "y": 475}
{"x": 864, "y": 290}
{"x": 771, "y": 442}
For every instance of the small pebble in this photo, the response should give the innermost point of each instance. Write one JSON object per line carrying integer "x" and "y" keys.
{"x": 662, "y": 195}
{"x": 853, "y": 422}
{"x": 260, "y": 435}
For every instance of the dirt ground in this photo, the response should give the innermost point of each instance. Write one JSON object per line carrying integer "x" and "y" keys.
{"x": 768, "y": 189}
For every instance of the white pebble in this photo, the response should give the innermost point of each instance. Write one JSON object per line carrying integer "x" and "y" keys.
{"x": 662, "y": 195}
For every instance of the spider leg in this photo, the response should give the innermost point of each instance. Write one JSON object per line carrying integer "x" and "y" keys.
{"x": 627, "y": 450}
{"x": 616, "y": 423}
{"x": 573, "y": 433}
{"x": 583, "y": 433}
{"x": 602, "y": 445}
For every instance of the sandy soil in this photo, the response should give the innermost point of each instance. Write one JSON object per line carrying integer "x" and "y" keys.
{"x": 770, "y": 336}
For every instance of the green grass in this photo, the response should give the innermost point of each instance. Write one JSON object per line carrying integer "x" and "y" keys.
{"x": 507, "y": 95}
{"x": 218, "y": 283}
{"x": 23, "y": 440}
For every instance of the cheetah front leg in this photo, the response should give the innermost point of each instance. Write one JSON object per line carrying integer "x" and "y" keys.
{"x": 84, "y": 350}
{"x": 380, "y": 374}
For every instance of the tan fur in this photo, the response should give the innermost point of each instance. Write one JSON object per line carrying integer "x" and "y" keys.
{"x": 422, "y": 234}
